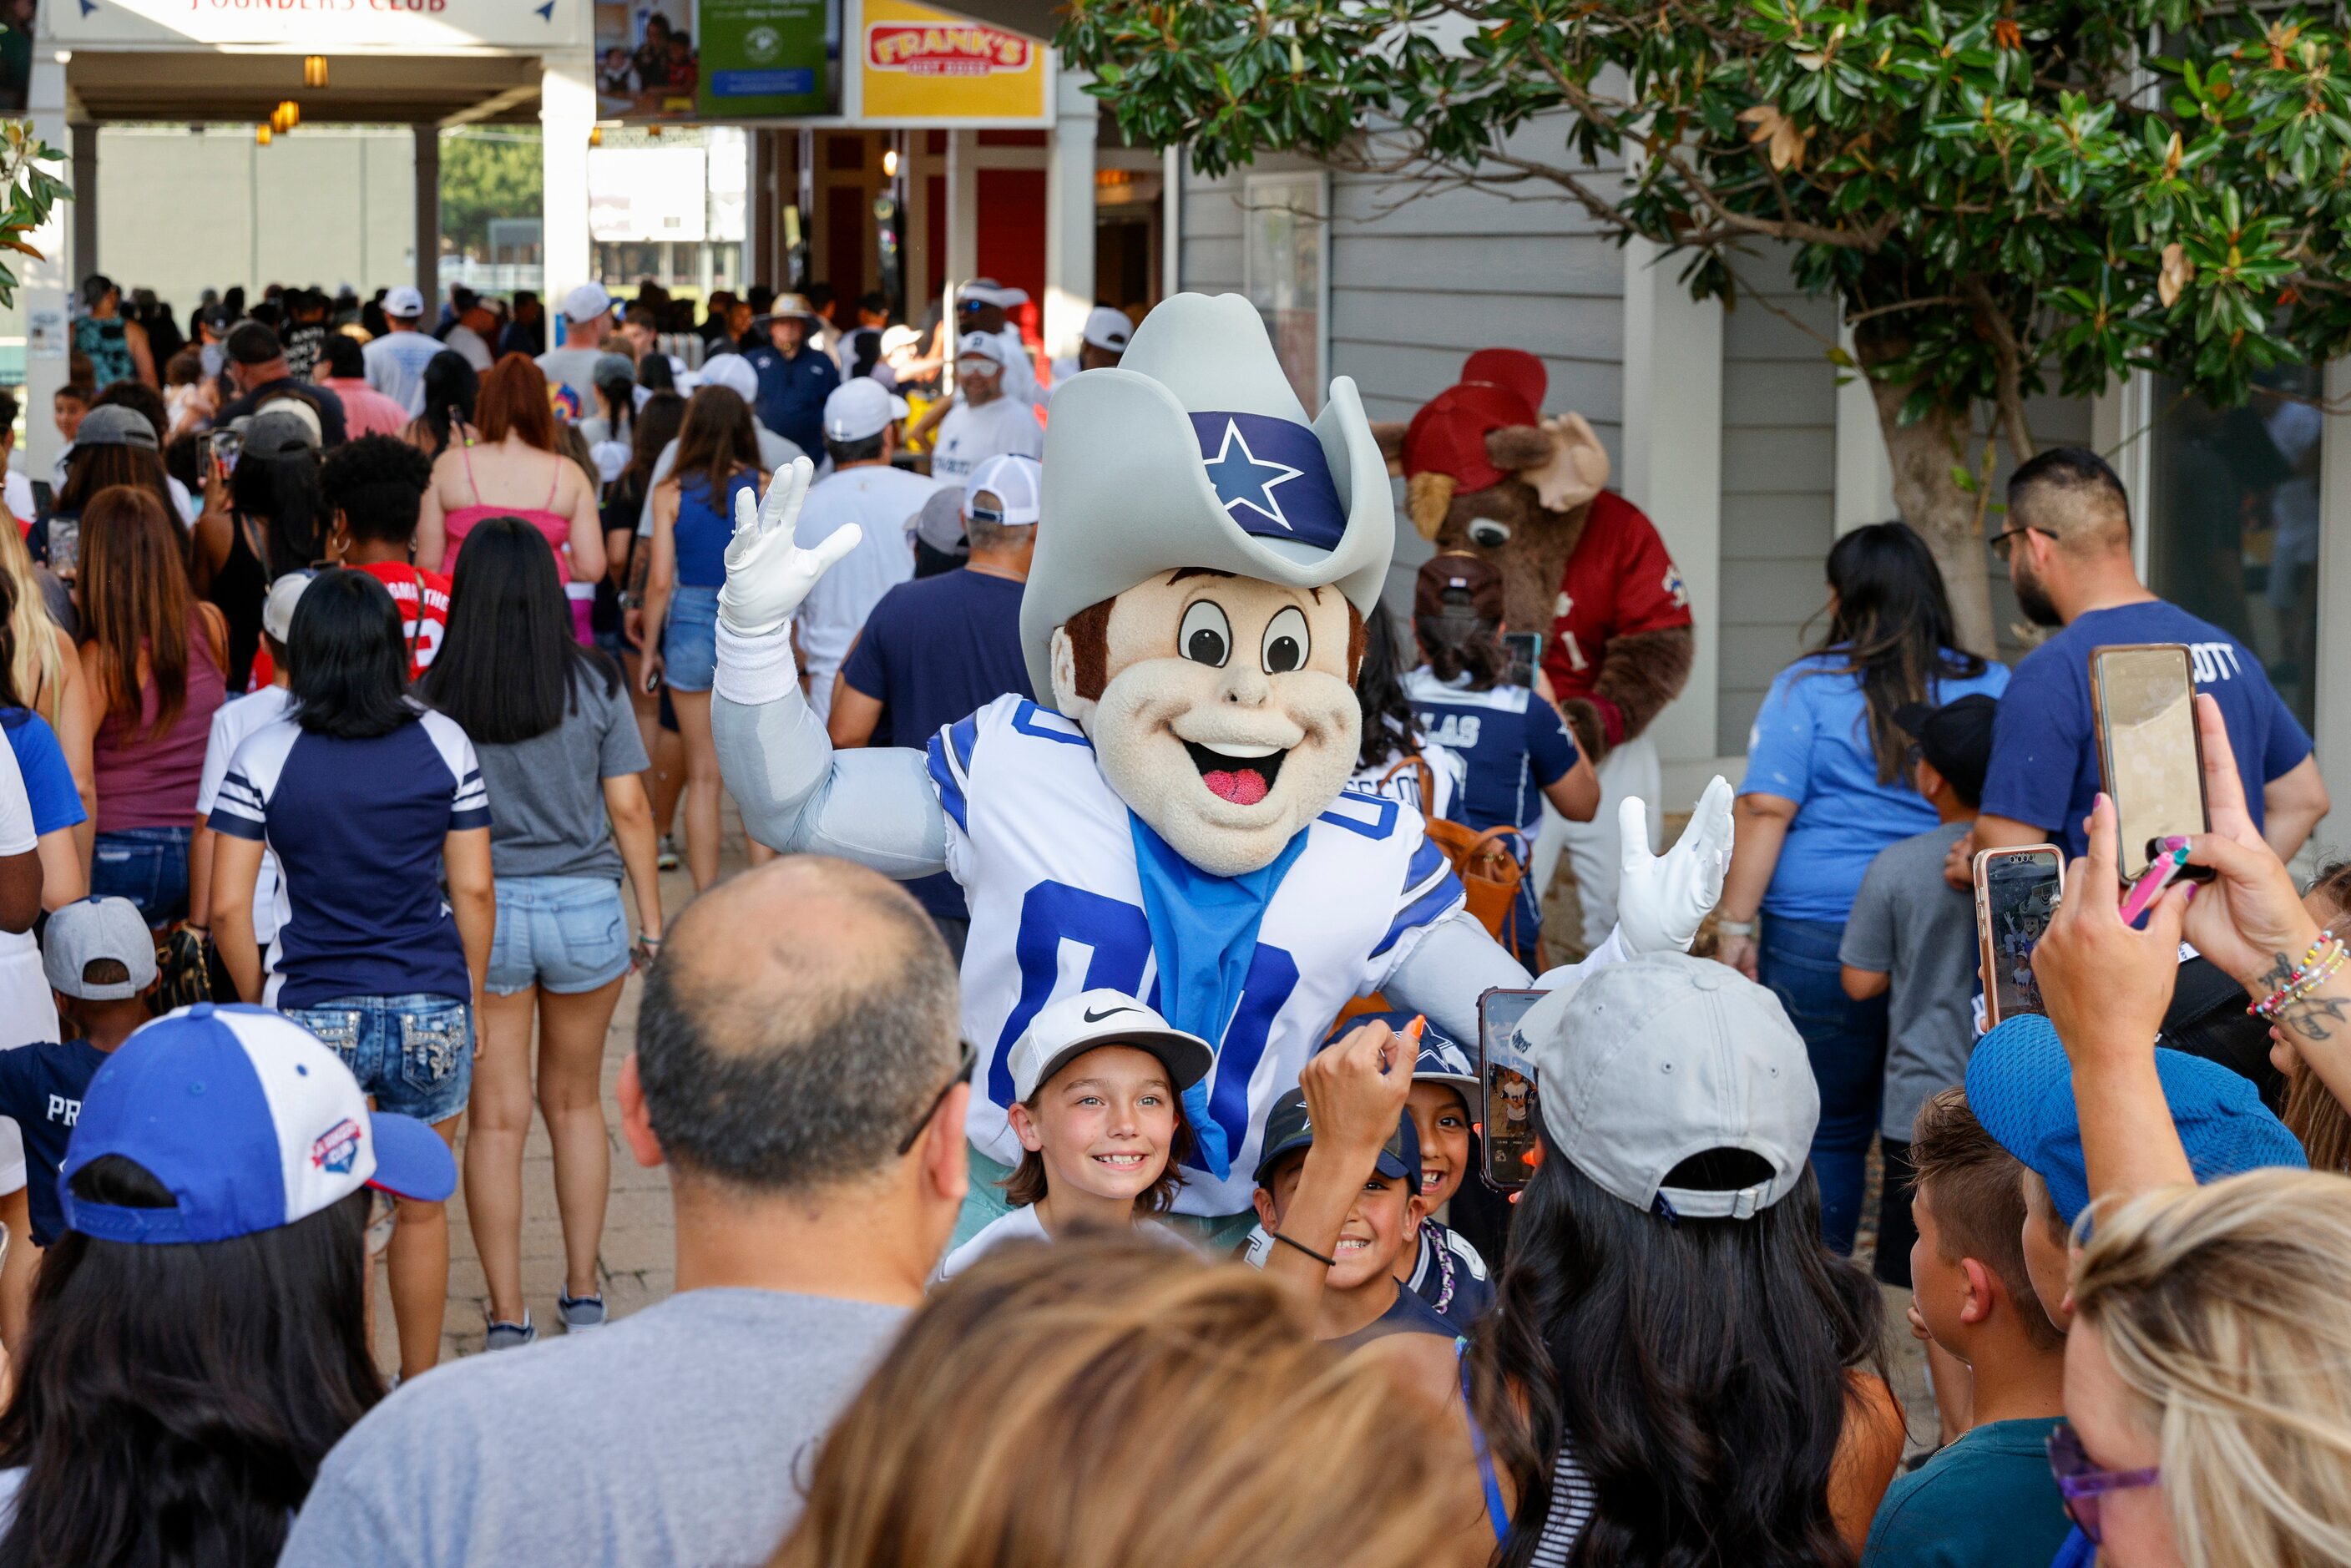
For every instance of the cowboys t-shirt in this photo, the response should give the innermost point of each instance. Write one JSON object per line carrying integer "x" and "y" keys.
{"x": 2044, "y": 742}
{"x": 41, "y": 1086}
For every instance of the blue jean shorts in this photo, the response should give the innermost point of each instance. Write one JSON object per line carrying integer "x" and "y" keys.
{"x": 690, "y": 639}
{"x": 413, "y": 1053}
{"x": 149, "y": 866}
{"x": 563, "y": 934}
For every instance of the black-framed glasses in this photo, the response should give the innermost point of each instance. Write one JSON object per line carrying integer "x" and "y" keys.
{"x": 963, "y": 1070}
{"x": 2004, "y": 542}
{"x": 2081, "y": 1483}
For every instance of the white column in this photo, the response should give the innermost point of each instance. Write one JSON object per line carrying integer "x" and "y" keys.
{"x": 1864, "y": 474}
{"x": 963, "y": 208}
{"x": 1171, "y": 223}
{"x": 1673, "y": 471}
{"x": 428, "y": 219}
{"x": 44, "y": 286}
{"x": 567, "y": 113}
{"x": 1070, "y": 214}
{"x": 2333, "y": 705}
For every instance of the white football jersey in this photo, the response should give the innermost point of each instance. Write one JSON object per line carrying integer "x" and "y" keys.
{"x": 1045, "y": 852}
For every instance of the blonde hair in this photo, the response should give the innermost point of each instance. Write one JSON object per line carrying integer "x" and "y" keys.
{"x": 1108, "y": 1402}
{"x": 36, "y": 664}
{"x": 2222, "y": 1308}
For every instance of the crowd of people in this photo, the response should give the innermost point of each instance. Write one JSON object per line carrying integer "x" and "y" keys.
{"x": 353, "y": 667}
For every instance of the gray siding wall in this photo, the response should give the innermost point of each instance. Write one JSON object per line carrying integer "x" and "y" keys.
{"x": 1416, "y": 285}
{"x": 1779, "y": 485}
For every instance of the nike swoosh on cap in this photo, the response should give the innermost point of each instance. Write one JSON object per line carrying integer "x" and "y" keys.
{"x": 1092, "y": 1017}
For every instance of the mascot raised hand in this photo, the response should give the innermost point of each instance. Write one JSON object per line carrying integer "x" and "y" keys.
{"x": 1176, "y": 825}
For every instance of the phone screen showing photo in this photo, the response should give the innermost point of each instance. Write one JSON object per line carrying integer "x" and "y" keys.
{"x": 1507, "y": 1079}
{"x": 2021, "y": 891}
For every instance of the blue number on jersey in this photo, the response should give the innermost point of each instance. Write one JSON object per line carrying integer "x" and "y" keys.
{"x": 1118, "y": 942}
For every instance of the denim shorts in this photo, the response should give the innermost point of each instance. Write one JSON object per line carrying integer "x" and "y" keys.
{"x": 413, "y": 1053}
{"x": 564, "y": 934}
{"x": 149, "y": 866}
{"x": 690, "y": 639}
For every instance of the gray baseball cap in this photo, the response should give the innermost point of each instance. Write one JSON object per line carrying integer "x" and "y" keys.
{"x": 89, "y": 930}
{"x": 1650, "y": 1062}
{"x": 113, "y": 424}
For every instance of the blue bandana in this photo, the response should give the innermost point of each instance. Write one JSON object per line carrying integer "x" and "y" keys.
{"x": 1204, "y": 935}
{"x": 1272, "y": 478}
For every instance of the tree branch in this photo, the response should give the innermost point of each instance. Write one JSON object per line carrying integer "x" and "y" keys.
{"x": 2008, "y": 363}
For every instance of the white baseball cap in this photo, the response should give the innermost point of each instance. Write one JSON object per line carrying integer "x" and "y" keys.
{"x": 987, "y": 291}
{"x": 734, "y": 373}
{"x": 1107, "y": 327}
{"x": 897, "y": 337}
{"x": 1070, "y": 1028}
{"x": 89, "y": 930}
{"x": 1665, "y": 1056}
{"x": 587, "y": 302}
{"x": 983, "y": 345}
{"x": 404, "y": 302}
{"x": 1015, "y": 482}
{"x": 860, "y": 408}
{"x": 277, "y": 610}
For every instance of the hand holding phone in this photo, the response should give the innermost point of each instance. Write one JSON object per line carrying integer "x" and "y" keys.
{"x": 1508, "y": 1091}
{"x": 2150, "y": 752}
{"x": 2017, "y": 894}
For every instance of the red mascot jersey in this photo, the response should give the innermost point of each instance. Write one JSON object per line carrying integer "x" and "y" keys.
{"x": 1619, "y": 580}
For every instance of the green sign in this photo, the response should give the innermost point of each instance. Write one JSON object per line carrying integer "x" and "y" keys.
{"x": 767, "y": 58}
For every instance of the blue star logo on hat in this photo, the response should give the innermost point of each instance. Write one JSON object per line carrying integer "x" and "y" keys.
{"x": 1243, "y": 480}
{"x": 1272, "y": 478}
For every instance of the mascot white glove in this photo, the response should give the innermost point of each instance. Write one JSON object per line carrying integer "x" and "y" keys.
{"x": 767, "y": 574}
{"x": 1661, "y": 900}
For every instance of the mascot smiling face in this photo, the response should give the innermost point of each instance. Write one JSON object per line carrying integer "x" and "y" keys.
{"x": 1203, "y": 569}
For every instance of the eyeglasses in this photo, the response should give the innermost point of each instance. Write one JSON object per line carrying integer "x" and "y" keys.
{"x": 2081, "y": 1483}
{"x": 962, "y": 1071}
{"x": 2004, "y": 543}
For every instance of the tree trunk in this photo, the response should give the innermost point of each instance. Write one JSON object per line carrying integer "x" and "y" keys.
{"x": 1932, "y": 501}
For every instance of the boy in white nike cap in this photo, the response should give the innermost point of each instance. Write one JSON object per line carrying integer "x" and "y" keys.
{"x": 1097, "y": 1080}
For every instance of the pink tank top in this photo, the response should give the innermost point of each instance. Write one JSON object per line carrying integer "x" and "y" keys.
{"x": 148, "y": 781}
{"x": 557, "y": 528}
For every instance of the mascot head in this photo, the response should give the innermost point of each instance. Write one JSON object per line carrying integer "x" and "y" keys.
{"x": 1206, "y": 556}
{"x": 1486, "y": 472}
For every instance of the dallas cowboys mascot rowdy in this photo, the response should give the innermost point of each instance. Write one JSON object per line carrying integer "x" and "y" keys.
{"x": 1175, "y": 825}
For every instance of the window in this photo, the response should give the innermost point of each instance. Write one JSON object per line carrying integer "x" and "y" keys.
{"x": 1285, "y": 274}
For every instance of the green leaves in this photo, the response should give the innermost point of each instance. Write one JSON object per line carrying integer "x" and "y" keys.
{"x": 1976, "y": 180}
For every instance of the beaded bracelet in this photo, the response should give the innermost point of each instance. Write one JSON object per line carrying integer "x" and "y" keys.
{"x": 2323, "y": 961}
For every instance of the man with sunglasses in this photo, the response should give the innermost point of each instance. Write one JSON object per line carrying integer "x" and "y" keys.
{"x": 2067, "y": 548}
{"x": 937, "y": 648}
{"x": 800, "y": 1074}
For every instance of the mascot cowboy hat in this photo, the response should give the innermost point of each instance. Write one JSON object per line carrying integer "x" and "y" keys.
{"x": 1194, "y": 452}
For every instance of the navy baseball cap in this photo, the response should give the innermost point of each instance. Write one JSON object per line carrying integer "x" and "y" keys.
{"x": 1440, "y": 1060}
{"x": 248, "y": 1120}
{"x": 1287, "y": 1131}
{"x": 2021, "y": 1088}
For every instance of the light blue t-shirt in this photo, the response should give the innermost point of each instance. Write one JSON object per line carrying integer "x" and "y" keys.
{"x": 1810, "y": 744}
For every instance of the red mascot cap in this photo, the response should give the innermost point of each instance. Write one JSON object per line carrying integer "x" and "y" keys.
{"x": 1498, "y": 387}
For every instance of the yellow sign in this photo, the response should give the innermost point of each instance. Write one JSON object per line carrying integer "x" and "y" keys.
{"x": 918, "y": 65}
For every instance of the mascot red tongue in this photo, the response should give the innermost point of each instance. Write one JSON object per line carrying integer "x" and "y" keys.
{"x": 1245, "y": 788}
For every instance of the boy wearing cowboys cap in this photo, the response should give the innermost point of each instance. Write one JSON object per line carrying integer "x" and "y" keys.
{"x": 1173, "y": 825}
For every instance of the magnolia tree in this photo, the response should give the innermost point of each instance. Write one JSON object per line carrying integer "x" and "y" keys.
{"x": 2000, "y": 195}
{"x": 31, "y": 192}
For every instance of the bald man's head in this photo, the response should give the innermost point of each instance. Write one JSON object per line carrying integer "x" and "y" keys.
{"x": 2069, "y": 494}
{"x": 799, "y": 1022}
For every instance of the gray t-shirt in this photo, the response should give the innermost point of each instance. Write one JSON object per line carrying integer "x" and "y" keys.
{"x": 684, "y": 1433}
{"x": 575, "y": 368}
{"x": 1909, "y": 922}
{"x": 547, "y": 793}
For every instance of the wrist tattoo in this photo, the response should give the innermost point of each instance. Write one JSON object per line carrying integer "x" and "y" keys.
{"x": 2312, "y": 1017}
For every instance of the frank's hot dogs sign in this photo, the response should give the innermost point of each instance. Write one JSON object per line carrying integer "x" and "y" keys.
{"x": 945, "y": 49}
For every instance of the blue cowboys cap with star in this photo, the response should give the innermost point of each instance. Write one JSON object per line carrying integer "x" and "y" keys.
{"x": 1195, "y": 451}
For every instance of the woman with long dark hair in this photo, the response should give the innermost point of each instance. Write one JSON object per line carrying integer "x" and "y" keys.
{"x": 198, "y": 1334}
{"x": 114, "y": 447}
{"x": 271, "y": 525}
{"x": 1391, "y": 735}
{"x": 1829, "y": 784}
{"x": 629, "y": 557}
{"x": 694, "y": 518}
{"x": 560, "y": 754}
{"x": 153, "y": 658}
{"x": 371, "y": 804}
{"x": 452, "y": 388}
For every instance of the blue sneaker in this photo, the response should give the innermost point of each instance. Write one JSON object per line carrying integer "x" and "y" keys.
{"x": 510, "y": 1336}
{"x": 580, "y": 1314}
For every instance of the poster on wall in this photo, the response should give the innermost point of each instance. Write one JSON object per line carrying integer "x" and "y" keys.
{"x": 717, "y": 59}
{"x": 916, "y": 65}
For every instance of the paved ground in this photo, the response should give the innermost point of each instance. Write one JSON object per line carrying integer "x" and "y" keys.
{"x": 636, "y": 1253}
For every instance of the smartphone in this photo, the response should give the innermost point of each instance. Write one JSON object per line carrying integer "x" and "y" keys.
{"x": 1526, "y": 652}
{"x": 65, "y": 545}
{"x": 225, "y": 446}
{"x": 43, "y": 496}
{"x": 2017, "y": 891}
{"x": 1506, "y": 1080}
{"x": 2150, "y": 758}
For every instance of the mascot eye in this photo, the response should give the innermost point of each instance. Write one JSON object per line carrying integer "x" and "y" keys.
{"x": 1489, "y": 534}
{"x": 1206, "y": 637}
{"x": 1285, "y": 642}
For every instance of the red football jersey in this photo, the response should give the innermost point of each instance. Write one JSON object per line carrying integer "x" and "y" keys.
{"x": 421, "y": 630}
{"x": 1618, "y": 580}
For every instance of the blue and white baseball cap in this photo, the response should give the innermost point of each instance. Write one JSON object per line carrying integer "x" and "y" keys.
{"x": 248, "y": 1120}
{"x": 1441, "y": 1061}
